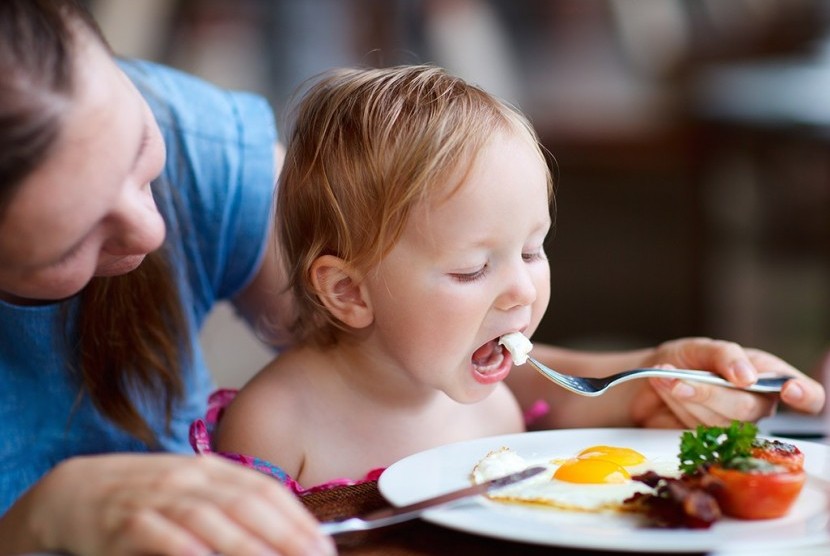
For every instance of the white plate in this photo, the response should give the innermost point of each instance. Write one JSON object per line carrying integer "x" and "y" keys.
{"x": 448, "y": 467}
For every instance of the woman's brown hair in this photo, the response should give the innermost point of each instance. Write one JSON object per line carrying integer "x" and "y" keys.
{"x": 130, "y": 335}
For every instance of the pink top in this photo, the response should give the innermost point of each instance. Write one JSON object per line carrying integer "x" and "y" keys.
{"x": 201, "y": 432}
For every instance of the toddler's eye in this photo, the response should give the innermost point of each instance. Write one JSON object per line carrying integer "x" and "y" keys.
{"x": 535, "y": 256}
{"x": 470, "y": 276}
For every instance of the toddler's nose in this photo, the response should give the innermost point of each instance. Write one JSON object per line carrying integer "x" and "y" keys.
{"x": 520, "y": 291}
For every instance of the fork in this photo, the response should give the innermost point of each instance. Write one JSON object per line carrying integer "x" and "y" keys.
{"x": 598, "y": 386}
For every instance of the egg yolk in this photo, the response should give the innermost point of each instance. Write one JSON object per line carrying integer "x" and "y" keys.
{"x": 621, "y": 456}
{"x": 591, "y": 470}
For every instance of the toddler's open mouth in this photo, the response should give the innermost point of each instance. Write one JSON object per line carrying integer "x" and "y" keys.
{"x": 489, "y": 359}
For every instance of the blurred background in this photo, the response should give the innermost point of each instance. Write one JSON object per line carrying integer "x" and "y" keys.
{"x": 692, "y": 139}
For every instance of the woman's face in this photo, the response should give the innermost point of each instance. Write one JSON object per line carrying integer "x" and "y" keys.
{"x": 88, "y": 210}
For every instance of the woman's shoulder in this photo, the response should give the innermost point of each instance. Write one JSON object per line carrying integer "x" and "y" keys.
{"x": 216, "y": 189}
{"x": 187, "y": 102}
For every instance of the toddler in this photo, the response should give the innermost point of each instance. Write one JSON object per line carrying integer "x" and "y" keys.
{"x": 413, "y": 208}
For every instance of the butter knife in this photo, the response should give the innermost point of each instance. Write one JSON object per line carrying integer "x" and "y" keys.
{"x": 391, "y": 516}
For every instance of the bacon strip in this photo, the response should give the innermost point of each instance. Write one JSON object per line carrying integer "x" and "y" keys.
{"x": 685, "y": 502}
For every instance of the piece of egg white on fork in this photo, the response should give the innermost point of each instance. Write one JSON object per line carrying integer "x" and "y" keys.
{"x": 518, "y": 345}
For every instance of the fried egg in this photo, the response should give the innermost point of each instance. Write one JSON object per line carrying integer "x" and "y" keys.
{"x": 596, "y": 479}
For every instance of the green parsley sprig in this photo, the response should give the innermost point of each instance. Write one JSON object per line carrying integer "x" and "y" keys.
{"x": 708, "y": 445}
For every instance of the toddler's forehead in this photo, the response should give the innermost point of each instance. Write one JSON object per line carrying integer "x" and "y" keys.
{"x": 455, "y": 179}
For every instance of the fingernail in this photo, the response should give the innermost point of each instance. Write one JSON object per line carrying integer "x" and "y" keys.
{"x": 683, "y": 390}
{"x": 744, "y": 372}
{"x": 794, "y": 391}
{"x": 665, "y": 383}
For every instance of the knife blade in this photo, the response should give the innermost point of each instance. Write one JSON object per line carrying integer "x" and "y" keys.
{"x": 391, "y": 516}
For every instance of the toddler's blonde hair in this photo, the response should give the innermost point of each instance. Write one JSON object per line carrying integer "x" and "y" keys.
{"x": 367, "y": 145}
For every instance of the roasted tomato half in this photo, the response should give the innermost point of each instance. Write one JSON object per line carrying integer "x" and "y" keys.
{"x": 779, "y": 453}
{"x": 757, "y": 490}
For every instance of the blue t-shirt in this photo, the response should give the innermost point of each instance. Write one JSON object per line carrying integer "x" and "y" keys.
{"x": 217, "y": 206}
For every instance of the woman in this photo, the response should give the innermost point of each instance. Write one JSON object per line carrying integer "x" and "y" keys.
{"x": 105, "y": 280}
{"x": 100, "y": 314}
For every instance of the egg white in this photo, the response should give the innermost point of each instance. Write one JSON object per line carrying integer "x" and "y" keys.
{"x": 544, "y": 490}
{"x": 518, "y": 345}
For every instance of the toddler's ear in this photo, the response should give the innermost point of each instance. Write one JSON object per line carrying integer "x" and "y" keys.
{"x": 338, "y": 286}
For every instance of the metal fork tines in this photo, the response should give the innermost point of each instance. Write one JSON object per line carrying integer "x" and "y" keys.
{"x": 597, "y": 386}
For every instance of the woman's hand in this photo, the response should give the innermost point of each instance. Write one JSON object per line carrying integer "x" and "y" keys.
{"x": 160, "y": 504}
{"x": 672, "y": 403}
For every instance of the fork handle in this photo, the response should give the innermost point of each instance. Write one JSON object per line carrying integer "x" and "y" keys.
{"x": 765, "y": 385}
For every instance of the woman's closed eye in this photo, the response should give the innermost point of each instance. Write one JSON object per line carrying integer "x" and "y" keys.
{"x": 69, "y": 256}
